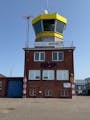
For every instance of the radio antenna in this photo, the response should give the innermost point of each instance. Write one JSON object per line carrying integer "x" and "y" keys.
{"x": 47, "y": 5}
{"x": 27, "y": 31}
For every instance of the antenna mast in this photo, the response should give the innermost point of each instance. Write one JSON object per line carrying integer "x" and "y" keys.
{"x": 47, "y": 5}
{"x": 27, "y": 31}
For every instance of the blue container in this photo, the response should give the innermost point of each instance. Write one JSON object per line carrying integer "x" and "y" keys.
{"x": 15, "y": 88}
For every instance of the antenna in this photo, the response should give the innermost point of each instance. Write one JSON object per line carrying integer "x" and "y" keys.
{"x": 47, "y": 4}
{"x": 27, "y": 31}
{"x": 46, "y": 11}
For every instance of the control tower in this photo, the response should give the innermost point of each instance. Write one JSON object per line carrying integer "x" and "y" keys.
{"x": 49, "y": 66}
{"x": 49, "y": 30}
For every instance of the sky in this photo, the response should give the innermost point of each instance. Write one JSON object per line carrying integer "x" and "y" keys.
{"x": 13, "y": 32}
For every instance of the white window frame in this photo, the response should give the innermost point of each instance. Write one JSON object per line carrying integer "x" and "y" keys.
{"x": 39, "y": 56}
{"x": 58, "y": 55}
{"x": 33, "y": 92}
{"x": 1, "y": 84}
{"x": 48, "y": 92}
{"x": 64, "y": 93}
{"x": 48, "y": 75}
{"x": 34, "y": 72}
{"x": 64, "y": 76}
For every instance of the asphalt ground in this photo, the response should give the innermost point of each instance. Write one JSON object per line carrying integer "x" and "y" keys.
{"x": 77, "y": 108}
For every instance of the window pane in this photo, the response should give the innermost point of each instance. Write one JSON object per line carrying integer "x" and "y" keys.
{"x": 49, "y": 25}
{"x": 31, "y": 75}
{"x": 36, "y": 56}
{"x": 64, "y": 93}
{"x": 59, "y": 75}
{"x": 32, "y": 92}
{"x": 54, "y": 55}
{"x": 42, "y": 56}
{"x": 34, "y": 74}
{"x": 37, "y": 74}
{"x": 60, "y": 26}
{"x": 38, "y": 27}
{"x": 51, "y": 74}
{"x": 60, "y": 56}
{"x": 62, "y": 75}
{"x": 39, "y": 56}
{"x": 45, "y": 75}
{"x": 48, "y": 92}
{"x": 66, "y": 75}
{"x": 48, "y": 74}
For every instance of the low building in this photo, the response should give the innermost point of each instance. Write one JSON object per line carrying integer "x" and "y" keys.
{"x": 80, "y": 86}
{"x": 11, "y": 87}
{"x": 88, "y": 85}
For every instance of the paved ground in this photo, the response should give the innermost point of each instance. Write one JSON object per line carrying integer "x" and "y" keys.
{"x": 77, "y": 108}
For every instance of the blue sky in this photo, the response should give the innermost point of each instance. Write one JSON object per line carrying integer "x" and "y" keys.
{"x": 13, "y": 32}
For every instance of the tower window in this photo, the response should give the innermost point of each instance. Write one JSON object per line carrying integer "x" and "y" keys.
{"x": 38, "y": 27}
{"x": 39, "y": 56}
{"x": 58, "y": 56}
{"x": 48, "y": 75}
{"x": 34, "y": 74}
{"x": 49, "y": 25}
{"x": 60, "y": 26}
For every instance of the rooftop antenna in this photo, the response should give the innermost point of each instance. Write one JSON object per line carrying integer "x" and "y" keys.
{"x": 27, "y": 31}
{"x": 46, "y": 11}
{"x": 47, "y": 5}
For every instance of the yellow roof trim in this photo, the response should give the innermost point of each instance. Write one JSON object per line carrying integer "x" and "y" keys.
{"x": 46, "y": 34}
{"x": 49, "y": 16}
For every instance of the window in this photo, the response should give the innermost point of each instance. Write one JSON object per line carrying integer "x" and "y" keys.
{"x": 34, "y": 74}
{"x": 32, "y": 92}
{"x": 38, "y": 27}
{"x": 64, "y": 93}
{"x": 60, "y": 26}
{"x": 39, "y": 56}
{"x": 62, "y": 75}
{"x": 48, "y": 92}
{"x": 49, "y": 25}
{"x": 58, "y": 56}
{"x": 48, "y": 74}
{"x": 0, "y": 85}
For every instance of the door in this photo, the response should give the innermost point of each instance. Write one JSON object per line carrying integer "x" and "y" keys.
{"x": 15, "y": 88}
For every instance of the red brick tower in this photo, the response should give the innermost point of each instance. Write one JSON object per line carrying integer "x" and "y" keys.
{"x": 49, "y": 67}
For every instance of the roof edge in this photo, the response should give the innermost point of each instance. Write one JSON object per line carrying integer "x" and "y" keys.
{"x": 59, "y": 48}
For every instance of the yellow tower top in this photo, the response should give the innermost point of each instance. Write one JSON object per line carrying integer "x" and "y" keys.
{"x": 48, "y": 17}
{"x": 49, "y": 27}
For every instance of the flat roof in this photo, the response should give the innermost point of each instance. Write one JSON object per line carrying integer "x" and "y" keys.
{"x": 11, "y": 78}
{"x": 59, "y": 48}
